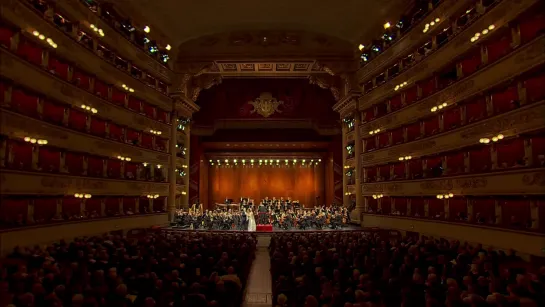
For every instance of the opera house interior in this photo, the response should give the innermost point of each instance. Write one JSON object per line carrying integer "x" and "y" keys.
{"x": 272, "y": 153}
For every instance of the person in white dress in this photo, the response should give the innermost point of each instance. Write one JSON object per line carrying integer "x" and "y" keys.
{"x": 251, "y": 220}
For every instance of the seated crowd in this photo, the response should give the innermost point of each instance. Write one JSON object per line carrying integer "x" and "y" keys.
{"x": 356, "y": 269}
{"x": 176, "y": 269}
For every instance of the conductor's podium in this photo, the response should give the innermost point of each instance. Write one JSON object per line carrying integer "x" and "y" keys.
{"x": 264, "y": 228}
{"x": 263, "y": 222}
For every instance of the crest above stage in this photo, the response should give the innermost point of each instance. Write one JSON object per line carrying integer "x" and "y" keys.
{"x": 265, "y": 105}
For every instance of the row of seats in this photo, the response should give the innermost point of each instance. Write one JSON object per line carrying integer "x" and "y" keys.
{"x": 492, "y": 49}
{"x": 497, "y": 101}
{"x": 30, "y": 104}
{"x": 506, "y": 212}
{"x": 38, "y": 55}
{"x": 74, "y": 29}
{"x": 19, "y": 211}
{"x": 529, "y": 27}
{"x": 25, "y": 156}
{"x": 511, "y": 153}
{"x": 392, "y": 34}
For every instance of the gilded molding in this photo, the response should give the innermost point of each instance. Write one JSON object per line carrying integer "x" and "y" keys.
{"x": 327, "y": 82}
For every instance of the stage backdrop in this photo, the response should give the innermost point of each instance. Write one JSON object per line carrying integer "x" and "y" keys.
{"x": 299, "y": 183}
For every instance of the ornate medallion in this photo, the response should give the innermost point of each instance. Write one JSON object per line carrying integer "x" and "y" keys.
{"x": 265, "y": 105}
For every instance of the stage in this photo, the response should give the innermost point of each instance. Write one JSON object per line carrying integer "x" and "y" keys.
{"x": 270, "y": 231}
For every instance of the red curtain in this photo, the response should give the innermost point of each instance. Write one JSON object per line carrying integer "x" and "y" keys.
{"x": 81, "y": 79}
{"x": 411, "y": 95}
{"x": 95, "y": 166}
{"x": 538, "y": 149}
{"x": 372, "y": 204}
{"x": 384, "y": 172}
{"x": 452, "y": 119}
{"x": 386, "y": 205}
{"x": 456, "y": 206}
{"x": 476, "y": 110}
{"x": 118, "y": 97}
{"x": 149, "y": 110}
{"x": 471, "y": 62}
{"x": 485, "y": 208}
{"x": 44, "y": 209}
{"x": 497, "y": 48}
{"x": 370, "y": 144}
{"x": 114, "y": 169}
{"x": 299, "y": 183}
{"x": 130, "y": 170}
{"x": 515, "y": 212}
{"x": 433, "y": 162}
{"x": 480, "y": 160}
{"x": 415, "y": 168}
{"x": 160, "y": 144}
{"x": 147, "y": 140}
{"x": 29, "y": 52}
{"x": 401, "y": 205}
{"x": 74, "y": 163}
{"x": 535, "y": 91}
{"x": 162, "y": 116}
{"x": 455, "y": 163}
{"x": 436, "y": 208}
{"x": 159, "y": 204}
{"x": 71, "y": 206}
{"x": 397, "y": 136}
{"x": 510, "y": 153}
{"x": 12, "y": 210}
{"x": 93, "y": 206}
{"x": 417, "y": 207}
{"x": 413, "y": 132}
{"x": 395, "y": 103}
{"x": 129, "y": 204}
{"x": 134, "y": 104}
{"x": 5, "y": 36}
{"x": 531, "y": 27}
{"x": 384, "y": 140}
{"x": 505, "y": 100}
{"x": 431, "y": 126}
{"x": 112, "y": 206}
{"x": 49, "y": 159}
{"x": 381, "y": 109}
{"x": 399, "y": 171}
{"x": 58, "y": 67}
{"x": 53, "y": 112}
{"x": 101, "y": 89}
{"x": 132, "y": 136}
{"x": 116, "y": 132}
{"x": 98, "y": 127}
{"x": 24, "y": 102}
{"x": 77, "y": 120}
{"x": 428, "y": 87}
{"x": 22, "y": 154}
{"x": 371, "y": 174}
{"x": 368, "y": 115}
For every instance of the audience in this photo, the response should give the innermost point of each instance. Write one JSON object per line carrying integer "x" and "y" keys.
{"x": 355, "y": 269}
{"x": 181, "y": 269}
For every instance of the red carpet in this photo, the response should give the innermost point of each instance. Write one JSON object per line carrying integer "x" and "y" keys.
{"x": 264, "y": 228}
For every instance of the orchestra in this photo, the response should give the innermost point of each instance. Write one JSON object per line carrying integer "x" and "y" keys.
{"x": 282, "y": 213}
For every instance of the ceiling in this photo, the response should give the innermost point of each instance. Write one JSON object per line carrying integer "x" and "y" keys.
{"x": 354, "y": 21}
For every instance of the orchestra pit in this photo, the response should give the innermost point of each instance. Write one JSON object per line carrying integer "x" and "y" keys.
{"x": 272, "y": 153}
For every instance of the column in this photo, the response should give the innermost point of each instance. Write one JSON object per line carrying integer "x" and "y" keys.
{"x": 185, "y": 191}
{"x": 346, "y": 198}
{"x": 358, "y": 150}
{"x": 171, "y": 205}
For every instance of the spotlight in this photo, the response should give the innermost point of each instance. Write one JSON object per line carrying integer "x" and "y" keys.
{"x": 361, "y": 47}
{"x": 386, "y": 25}
{"x": 147, "y": 29}
{"x": 168, "y": 47}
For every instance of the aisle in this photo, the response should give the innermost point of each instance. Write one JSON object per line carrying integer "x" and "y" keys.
{"x": 259, "y": 288}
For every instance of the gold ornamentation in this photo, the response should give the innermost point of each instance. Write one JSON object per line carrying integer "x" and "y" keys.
{"x": 534, "y": 179}
{"x": 265, "y": 105}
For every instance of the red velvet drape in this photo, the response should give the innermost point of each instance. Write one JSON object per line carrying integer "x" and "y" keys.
{"x": 58, "y": 67}
{"x": 299, "y": 183}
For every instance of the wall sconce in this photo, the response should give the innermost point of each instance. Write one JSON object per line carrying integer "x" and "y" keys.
{"x": 153, "y": 196}
{"x": 184, "y": 193}
{"x": 159, "y": 165}
{"x": 129, "y": 89}
{"x": 42, "y": 37}
{"x": 157, "y": 133}
{"x": 348, "y": 193}
{"x": 374, "y": 131}
{"x": 81, "y": 195}
{"x": 147, "y": 29}
{"x": 145, "y": 164}
{"x": 431, "y": 24}
{"x": 405, "y": 158}
{"x": 377, "y": 196}
{"x": 483, "y": 32}
{"x": 445, "y": 196}
{"x": 125, "y": 159}
{"x": 439, "y": 107}
{"x": 89, "y": 108}
{"x": 400, "y": 86}
{"x": 96, "y": 29}
{"x": 34, "y": 141}
{"x": 387, "y": 25}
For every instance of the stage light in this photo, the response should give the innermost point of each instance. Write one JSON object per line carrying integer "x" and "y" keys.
{"x": 158, "y": 165}
{"x": 361, "y": 47}
{"x": 286, "y": 161}
{"x": 294, "y": 160}
{"x": 252, "y": 160}
{"x": 210, "y": 161}
{"x": 226, "y": 161}
{"x": 386, "y": 25}
{"x": 168, "y": 47}
{"x": 303, "y": 161}
{"x": 235, "y": 160}
{"x": 260, "y": 160}
{"x": 271, "y": 161}
{"x": 277, "y": 161}
{"x": 147, "y": 29}
{"x": 319, "y": 160}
